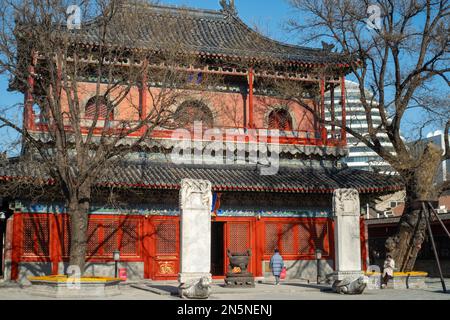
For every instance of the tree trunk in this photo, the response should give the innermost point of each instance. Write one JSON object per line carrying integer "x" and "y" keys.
{"x": 78, "y": 210}
{"x": 406, "y": 244}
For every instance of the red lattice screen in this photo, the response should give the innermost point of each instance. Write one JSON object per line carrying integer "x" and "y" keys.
{"x": 110, "y": 237}
{"x": 36, "y": 236}
{"x": 312, "y": 237}
{"x": 166, "y": 238}
{"x": 239, "y": 237}
{"x": 93, "y": 238}
{"x": 271, "y": 237}
{"x": 105, "y": 235}
{"x": 65, "y": 236}
{"x": 299, "y": 238}
{"x": 129, "y": 244}
{"x": 288, "y": 245}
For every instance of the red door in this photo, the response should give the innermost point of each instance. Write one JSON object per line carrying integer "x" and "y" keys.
{"x": 163, "y": 258}
{"x": 239, "y": 239}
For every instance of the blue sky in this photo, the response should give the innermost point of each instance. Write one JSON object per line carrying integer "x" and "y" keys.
{"x": 267, "y": 14}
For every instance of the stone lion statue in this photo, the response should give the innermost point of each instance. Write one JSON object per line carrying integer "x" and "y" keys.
{"x": 351, "y": 286}
{"x": 200, "y": 289}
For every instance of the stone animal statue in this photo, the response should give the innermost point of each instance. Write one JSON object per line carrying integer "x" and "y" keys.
{"x": 200, "y": 289}
{"x": 351, "y": 286}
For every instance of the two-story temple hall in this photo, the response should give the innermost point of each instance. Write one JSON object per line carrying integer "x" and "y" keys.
{"x": 136, "y": 202}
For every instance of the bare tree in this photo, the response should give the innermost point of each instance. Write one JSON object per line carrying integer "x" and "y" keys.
{"x": 88, "y": 103}
{"x": 404, "y": 59}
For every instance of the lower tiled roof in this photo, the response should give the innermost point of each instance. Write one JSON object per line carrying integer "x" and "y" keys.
{"x": 223, "y": 178}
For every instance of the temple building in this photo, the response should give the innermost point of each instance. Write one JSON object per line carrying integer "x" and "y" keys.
{"x": 277, "y": 198}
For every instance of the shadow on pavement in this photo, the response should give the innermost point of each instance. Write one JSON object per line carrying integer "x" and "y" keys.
{"x": 322, "y": 288}
{"x": 170, "y": 289}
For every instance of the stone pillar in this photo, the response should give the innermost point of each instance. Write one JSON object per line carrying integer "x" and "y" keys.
{"x": 195, "y": 204}
{"x": 347, "y": 241}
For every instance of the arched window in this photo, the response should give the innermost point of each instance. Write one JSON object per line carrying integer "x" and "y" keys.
{"x": 280, "y": 119}
{"x": 100, "y": 104}
{"x": 191, "y": 111}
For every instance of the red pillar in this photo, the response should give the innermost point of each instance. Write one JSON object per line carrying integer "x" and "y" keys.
{"x": 250, "y": 98}
{"x": 333, "y": 112}
{"x": 322, "y": 98}
{"x": 143, "y": 112}
{"x": 16, "y": 245}
{"x": 147, "y": 247}
{"x": 28, "y": 117}
{"x": 259, "y": 252}
{"x": 323, "y": 130}
{"x": 55, "y": 224}
{"x": 344, "y": 112}
{"x": 143, "y": 92}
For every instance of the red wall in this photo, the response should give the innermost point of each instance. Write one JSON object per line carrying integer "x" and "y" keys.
{"x": 155, "y": 240}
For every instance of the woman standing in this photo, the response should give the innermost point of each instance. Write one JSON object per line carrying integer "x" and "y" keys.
{"x": 277, "y": 265}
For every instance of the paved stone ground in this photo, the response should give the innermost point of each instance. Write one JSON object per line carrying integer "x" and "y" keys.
{"x": 286, "y": 291}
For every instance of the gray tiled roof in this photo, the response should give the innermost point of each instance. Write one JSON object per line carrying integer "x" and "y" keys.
{"x": 204, "y": 32}
{"x": 223, "y": 178}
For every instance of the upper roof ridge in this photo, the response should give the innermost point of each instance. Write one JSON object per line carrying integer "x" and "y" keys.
{"x": 217, "y": 33}
{"x": 170, "y": 8}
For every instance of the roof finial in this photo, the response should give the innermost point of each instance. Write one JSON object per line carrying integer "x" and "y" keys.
{"x": 228, "y": 6}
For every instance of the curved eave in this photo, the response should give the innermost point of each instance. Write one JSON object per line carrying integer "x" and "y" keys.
{"x": 293, "y": 62}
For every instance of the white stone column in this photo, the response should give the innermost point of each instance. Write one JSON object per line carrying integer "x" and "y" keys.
{"x": 195, "y": 250}
{"x": 347, "y": 237}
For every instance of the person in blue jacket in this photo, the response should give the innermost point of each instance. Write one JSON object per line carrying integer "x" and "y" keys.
{"x": 277, "y": 265}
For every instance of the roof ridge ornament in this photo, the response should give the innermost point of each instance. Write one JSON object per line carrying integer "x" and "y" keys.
{"x": 328, "y": 47}
{"x": 228, "y": 6}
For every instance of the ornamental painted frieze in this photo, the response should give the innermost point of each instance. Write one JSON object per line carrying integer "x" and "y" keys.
{"x": 174, "y": 212}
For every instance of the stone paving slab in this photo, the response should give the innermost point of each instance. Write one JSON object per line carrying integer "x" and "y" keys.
{"x": 171, "y": 287}
{"x": 286, "y": 291}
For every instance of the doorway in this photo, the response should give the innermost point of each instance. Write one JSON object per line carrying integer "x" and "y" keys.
{"x": 217, "y": 249}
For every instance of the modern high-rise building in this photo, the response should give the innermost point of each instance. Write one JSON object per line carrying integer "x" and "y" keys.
{"x": 360, "y": 156}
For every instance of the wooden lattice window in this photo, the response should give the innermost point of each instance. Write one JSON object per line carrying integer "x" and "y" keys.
{"x": 288, "y": 245}
{"x": 93, "y": 238}
{"x": 98, "y": 106}
{"x": 166, "y": 238}
{"x": 299, "y": 238}
{"x": 312, "y": 237}
{"x": 239, "y": 235}
{"x": 65, "y": 236}
{"x": 36, "y": 236}
{"x": 110, "y": 237}
{"x": 103, "y": 237}
{"x": 129, "y": 242}
{"x": 280, "y": 119}
{"x": 271, "y": 237}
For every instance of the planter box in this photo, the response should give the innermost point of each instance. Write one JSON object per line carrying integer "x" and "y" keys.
{"x": 409, "y": 281}
{"x": 63, "y": 287}
{"x": 401, "y": 280}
